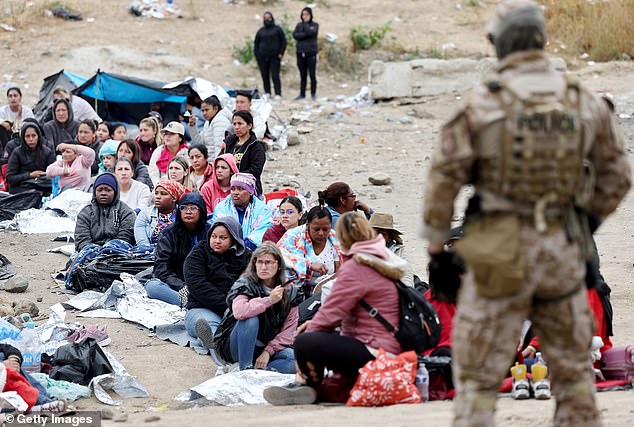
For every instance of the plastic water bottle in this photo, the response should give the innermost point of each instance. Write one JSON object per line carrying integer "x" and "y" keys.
{"x": 30, "y": 345}
{"x": 422, "y": 381}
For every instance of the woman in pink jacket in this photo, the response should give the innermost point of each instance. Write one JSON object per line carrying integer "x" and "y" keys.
{"x": 368, "y": 272}
{"x": 74, "y": 167}
{"x": 259, "y": 327}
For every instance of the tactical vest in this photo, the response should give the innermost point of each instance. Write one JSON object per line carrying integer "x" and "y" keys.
{"x": 541, "y": 155}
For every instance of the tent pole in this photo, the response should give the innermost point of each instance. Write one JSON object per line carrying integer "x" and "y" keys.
{"x": 97, "y": 92}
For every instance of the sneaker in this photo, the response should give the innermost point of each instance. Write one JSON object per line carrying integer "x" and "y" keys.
{"x": 541, "y": 389}
{"x": 300, "y": 98}
{"x": 521, "y": 389}
{"x": 290, "y": 394}
{"x": 97, "y": 332}
{"x": 314, "y": 97}
{"x": 204, "y": 333}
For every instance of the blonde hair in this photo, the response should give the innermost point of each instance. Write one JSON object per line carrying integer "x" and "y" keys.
{"x": 353, "y": 227}
{"x": 156, "y": 126}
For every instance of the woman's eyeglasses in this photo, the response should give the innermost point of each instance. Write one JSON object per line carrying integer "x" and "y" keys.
{"x": 189, "y": 208}
{"x": 287, "y": 211}
{"x": 265, "y": 262}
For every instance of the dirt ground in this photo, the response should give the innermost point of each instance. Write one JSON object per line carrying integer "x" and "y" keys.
{"x": 364, "y": 141}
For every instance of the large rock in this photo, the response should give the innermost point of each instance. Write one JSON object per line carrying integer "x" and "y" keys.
{"x": 16, "y": 284}
{"x": 427, "y": 77}
{"x": 380, "y": 178}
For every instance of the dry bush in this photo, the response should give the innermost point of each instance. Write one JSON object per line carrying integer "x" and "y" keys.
{"x": 601, "y": 28}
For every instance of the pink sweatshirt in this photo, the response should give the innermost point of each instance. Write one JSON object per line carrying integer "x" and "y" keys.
{"x": 79, "y": 172}
{"x": 245, "y": 308}
{"x": 354, "y": 282}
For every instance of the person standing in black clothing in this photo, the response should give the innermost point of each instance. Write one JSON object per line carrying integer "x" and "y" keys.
{"x": 269, "y": 47}
{"x": 306, "y": 35}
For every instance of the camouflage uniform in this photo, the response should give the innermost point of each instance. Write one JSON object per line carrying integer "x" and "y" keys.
{"x": 521, "y": 140}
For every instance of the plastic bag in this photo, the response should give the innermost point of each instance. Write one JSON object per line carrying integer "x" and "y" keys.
{"x": 10, "y": 205}
{"x": 99, "y": 273}
{"x": 386, "y": 381}
{"x": 80, "y": 363}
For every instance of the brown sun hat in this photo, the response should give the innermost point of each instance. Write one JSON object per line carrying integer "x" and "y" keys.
{"x": 384, "y": 221}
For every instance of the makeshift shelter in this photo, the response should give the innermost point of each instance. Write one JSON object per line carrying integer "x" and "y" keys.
{"x": 70, "y": 81}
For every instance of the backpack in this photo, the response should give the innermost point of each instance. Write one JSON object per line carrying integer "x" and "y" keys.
{"x": 419, "y": 324}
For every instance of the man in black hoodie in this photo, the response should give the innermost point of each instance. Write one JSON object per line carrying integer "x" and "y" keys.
{"x": 306, "y": 35}
{"x": 269, "y": 47}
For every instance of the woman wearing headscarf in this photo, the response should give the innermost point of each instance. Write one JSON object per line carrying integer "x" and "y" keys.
{"x": 269, "y": 47}
{"x": 154, "y": 219}
{"x": 28, "y": 163}
{"x": 252, "y": 213}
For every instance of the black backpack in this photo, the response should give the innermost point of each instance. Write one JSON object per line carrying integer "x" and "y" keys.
{"x": 419, "y": 327}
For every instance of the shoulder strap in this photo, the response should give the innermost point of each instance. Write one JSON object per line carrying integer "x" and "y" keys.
{"x": 373, "y": 312}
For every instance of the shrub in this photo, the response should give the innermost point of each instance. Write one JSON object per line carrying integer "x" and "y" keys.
{"x": 288, "y": 32}
{"x": 364, "y": 38}
{"x": 338, "y": 59}
{"x": 603, "y": 29}
{"x": 244, "y": 53}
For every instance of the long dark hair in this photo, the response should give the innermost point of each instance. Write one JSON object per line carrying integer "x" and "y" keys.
{"x": 134, "y": 147}
{"x": 184, "y": 238}
{"x": 297, "y": 204}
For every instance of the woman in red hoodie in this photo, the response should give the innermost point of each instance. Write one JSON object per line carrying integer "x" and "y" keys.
{"x": 218, "y": 187}
{"x": 368, "y": 272}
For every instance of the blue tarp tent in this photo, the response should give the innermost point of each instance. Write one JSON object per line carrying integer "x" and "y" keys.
{"x": 63, "y": 78}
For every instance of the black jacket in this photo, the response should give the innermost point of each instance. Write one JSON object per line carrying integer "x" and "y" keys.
{"x": 270, "y": 41}
{"x": 100, "y": 224}
{"x": 142, "y": 175}
{"x": 56, "y": 132}
{"x": 23, "y": 161}
{"x": 250, "y": 157}
{"x": 306, "y": 35}
{"x": 209, "y": 276}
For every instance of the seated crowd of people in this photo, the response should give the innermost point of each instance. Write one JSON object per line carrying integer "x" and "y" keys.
{"x": 239, "y": 268}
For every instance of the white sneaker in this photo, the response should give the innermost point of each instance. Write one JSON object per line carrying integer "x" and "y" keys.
{"x": 541, "y": 389}
{"x": 521, "y": 389}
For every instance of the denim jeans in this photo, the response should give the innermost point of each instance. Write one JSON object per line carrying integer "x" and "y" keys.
{"x": 162, "y": 291}
{"x": 243, "y": 342}
{"x": 192, "y": 316}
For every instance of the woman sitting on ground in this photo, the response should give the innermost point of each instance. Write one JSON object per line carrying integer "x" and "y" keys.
{"x": 119, "y": 132}
{"x": 133, "y": 193}
{"x": 173, "y": 145}
{"x": 291, "y": 211}
{"x": 149, "y": 137}
{"x": 28, "y": 163}
{"x": 383, "y": 224}
{"x": 248, "y": 151}
{"x": 215, "y": 128}
{"x": 258, "y": 330}
{"x": 361, "y": 336}
{"x": 174, "y": 244}
{"x": 73, "y": 168}
{"x": 218, "y": 187}
{"x": 252, "y": 213}
{"x": 200, "y": 171}
{"x": 87, "y": 136}
{"x": 311, "y": 250}
{"x": 178, "y": 171}
{"x": 104, "y": 131}
{"x": 106, "y": 217}
{"x": 340, "y": 199}
{"x": 210, "y": 270}
{"x": 154, "y": 219}
{"x": 62, "y": 127}
{"x": 108, "y": 155}
{"x": 130, "y": 150}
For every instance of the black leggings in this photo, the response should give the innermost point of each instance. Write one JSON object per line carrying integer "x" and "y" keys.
{"x": 307, "y": 63}
{"x": 270, "y": 68}
{"x": 343, "y": 355}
